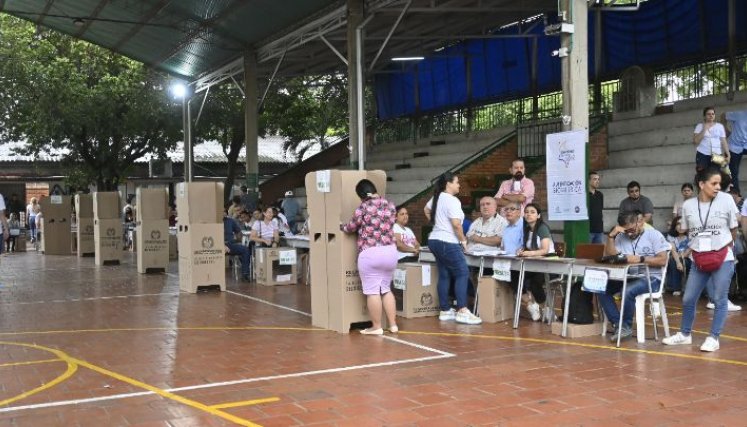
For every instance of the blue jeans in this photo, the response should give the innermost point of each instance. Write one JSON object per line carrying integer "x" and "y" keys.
{"x": 718, "y": 283}
{"x": 635, "y": 287}
{"x": 596, "y": 237}
{"x": 245, "y": 254}
{"x": 451, "y": 265}
{"x": 734, "y": 161}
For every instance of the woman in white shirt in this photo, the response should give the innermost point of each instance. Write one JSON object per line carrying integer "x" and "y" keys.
{"x": 711, "y": 222}
{"x": 265, "y": 232}
{"x": 710, "y": 139}
{"x": 408, "y": 247}
{"x": 447, "y": 243}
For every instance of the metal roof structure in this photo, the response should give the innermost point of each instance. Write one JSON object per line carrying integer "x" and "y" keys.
{"x": 195, "y": 39}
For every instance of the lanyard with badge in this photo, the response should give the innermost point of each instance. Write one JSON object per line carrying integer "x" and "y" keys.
{"x": 704, "y": 237}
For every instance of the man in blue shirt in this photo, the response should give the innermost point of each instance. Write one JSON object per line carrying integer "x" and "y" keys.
{"x": 513, "y": 234}
{"x": 231, "y": 229}
{"x": 736, "y": 129}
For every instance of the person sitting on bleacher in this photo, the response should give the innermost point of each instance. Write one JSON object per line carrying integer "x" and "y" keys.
{"x": 640, "y": 245}
{"x": 232, "y": 231}
{"x": 486, "y": 232}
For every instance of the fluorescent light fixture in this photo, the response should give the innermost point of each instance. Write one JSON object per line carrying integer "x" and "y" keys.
{"x": 408, "y": 58}
{"x": 179, "y": 90}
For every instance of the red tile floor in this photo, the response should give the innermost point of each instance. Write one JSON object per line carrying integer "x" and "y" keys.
{"x": 82, "y": 345}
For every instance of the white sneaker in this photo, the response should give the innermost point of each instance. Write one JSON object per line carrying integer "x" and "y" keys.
{"x": 710, "y": 344}
{"x": 730, "y": 307}
{"x": 467, "y": 317}
{"x": 534, "y": 310}
{"x": 678, "y": 339}
{"x": 449, "y": 314}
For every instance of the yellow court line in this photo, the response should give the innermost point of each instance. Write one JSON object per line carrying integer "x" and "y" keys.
{"x": 33, "y": 362}
{"x": 165, "y": 394}
{"x": 71, "y": 368}
{"x": 577, "y": 344}
{"x": 187, "y": 328}
{"x": 245, "y": 403}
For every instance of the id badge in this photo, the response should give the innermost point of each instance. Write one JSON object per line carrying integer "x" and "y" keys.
{"x": 704, "y": 242}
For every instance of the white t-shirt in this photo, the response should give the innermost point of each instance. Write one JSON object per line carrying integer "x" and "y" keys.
{"x": 649, "y": 243}
{"x": 711, "y": 143}
{"x": 449, "y": 207}
{"x": 719, "y": 222}
{"x": 408, "y": 238}
{"x": 265, "y": 231}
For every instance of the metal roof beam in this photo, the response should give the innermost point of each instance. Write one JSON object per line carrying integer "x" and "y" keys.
{"x": 87, "y": 22}
{"x": 44, "y": 13}
{"x": 152, "y": 12}
{"x": 476, "y": 9}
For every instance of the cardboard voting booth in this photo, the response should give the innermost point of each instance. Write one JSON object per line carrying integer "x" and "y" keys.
{"x": 84, "y": 233}
{"x": 152, "y": 230}
{"x": 56, "y": 229}
{"x": 337, "y": 300}
{"x": 107, "y": 228}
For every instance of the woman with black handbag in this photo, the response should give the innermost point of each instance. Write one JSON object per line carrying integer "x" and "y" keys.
{"x": 711, "y": 223}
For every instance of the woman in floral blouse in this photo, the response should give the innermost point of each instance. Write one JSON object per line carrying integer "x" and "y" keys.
{"x": 377, "y": 253}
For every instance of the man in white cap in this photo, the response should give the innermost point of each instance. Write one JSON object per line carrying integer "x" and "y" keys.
{"x": 290, "y": 209}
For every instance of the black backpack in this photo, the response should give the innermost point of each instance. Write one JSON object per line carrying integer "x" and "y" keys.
{"x": 581, "y": 307}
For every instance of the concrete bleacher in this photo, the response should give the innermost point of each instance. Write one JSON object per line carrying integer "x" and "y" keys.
{"x": 657, "y": 152}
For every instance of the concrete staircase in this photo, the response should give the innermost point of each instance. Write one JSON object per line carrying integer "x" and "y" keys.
{"x": 657, "y": 152}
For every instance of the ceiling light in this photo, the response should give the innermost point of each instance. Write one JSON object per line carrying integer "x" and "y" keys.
{"x": 408, "y": 58}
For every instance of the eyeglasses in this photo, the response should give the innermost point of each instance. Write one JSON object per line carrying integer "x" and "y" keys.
{"x": 512, "y": 209}
{"x": 631, "y": 230}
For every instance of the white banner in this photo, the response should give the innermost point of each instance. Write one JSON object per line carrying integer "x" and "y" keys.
{"x": 566, "y": 180}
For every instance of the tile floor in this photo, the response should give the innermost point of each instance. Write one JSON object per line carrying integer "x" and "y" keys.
{"x": 82, "y": 345}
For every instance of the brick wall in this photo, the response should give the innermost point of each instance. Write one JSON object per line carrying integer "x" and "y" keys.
{"x": 499, "y": 161}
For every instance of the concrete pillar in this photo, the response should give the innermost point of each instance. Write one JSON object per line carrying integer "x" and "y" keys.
{"x": 575, "y": 79}
{"x": 251, "y": 124}
{"x": 355, "y": 18}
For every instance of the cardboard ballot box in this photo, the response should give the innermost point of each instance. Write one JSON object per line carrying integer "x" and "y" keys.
{"x": 152, "y": 239}
{"x": 275, "y": 266}
{"x": 84, "y": 206}
{"x": 578, "y": 331}
{"x": 415, "y": 290}
{"x": 107, "y": 237}
{"x": 56, "y": 231}
{"x": 496, "y": 300}
{"x": 201, "y": 256}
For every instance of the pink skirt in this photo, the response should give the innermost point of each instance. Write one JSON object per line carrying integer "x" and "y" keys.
{"x": 376, "y": 269}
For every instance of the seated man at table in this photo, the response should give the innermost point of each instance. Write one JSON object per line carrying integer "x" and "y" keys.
{"x": 486, "y": 232}
{"x": 640, "y": 245}
{"x": 232, "y": 231}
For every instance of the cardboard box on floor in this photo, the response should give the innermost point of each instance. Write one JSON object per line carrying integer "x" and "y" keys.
{"x": 85, "y": 237}
{"x": 107, "y": 237}
{"x": 84, "y": 206}
{"x": 201, "y": 256}
{"x": 199, "y": 202}
{"x": 415, "y": 289}
{"x": 106, "y": 205}
{"x": 275, "y": 266}
{"x": 152, "y": 239}
{"x": 496, "y": 300}
{"x": 577, "y": 331}
{"x": 152, "y": 204}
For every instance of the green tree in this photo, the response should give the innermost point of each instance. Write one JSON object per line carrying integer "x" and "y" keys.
{"x": 103, "y": 111}
{"x": 313, "y": 108}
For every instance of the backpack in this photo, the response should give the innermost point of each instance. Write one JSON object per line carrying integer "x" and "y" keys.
{"x": 581, "y": 306}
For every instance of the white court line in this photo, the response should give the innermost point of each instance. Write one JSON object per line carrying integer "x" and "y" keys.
{"x": 440, "y": 355}
{"x": 269, "y": 303}
{"x": 89, "y": 299}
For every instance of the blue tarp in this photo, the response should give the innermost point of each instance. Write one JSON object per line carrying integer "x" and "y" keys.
{"x": 661, "y": 32}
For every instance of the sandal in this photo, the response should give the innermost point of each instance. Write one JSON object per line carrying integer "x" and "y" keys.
{"x": 372, "y": 331}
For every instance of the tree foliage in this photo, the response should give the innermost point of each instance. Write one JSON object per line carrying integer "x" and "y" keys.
{"x": 103, "y": 111}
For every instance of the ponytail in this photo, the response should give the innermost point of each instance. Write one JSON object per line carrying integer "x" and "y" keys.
{"x": 438, "y": 188}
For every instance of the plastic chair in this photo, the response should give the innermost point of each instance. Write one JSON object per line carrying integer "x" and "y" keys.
{"x": 640, "y": 307}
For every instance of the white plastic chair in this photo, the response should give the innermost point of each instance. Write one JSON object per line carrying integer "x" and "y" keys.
{"x": 640, "y": 307}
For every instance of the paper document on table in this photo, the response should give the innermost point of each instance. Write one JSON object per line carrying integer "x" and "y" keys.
{"x": 502, "y": 270}
{"x": 426, "y": 275}
{"x": 495, "y": 252}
